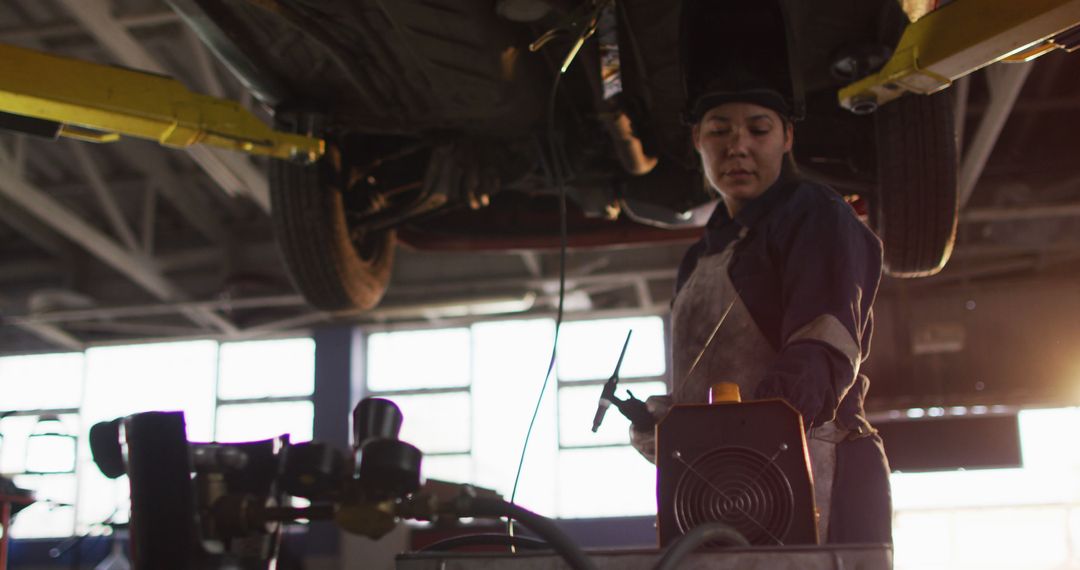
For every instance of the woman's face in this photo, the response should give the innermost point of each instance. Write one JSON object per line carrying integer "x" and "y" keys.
{"x": 742, "y": 146}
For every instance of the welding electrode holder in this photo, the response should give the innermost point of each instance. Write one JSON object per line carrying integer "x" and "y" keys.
{"x": 636, "y": 411}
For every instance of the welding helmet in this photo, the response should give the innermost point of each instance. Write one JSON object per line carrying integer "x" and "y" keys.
{"x": 738, "y": 51}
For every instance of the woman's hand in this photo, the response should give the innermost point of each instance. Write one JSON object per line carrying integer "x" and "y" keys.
{"x": 645, "y": 441}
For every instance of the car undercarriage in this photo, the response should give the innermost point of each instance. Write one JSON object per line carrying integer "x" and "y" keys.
{"x": 445, "y": 128}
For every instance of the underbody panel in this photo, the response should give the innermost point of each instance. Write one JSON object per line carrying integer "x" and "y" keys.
{"x": 405, "y": 66}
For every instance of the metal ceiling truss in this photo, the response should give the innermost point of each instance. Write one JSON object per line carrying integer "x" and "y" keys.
{"x": 104, "y": 195}
{"x": 131, "y": 256}
{"x": 38, "y": 233}
{"x": 133, "y": 264}
{"x": 152, "y": 163}
{"x": 452, "y": 298}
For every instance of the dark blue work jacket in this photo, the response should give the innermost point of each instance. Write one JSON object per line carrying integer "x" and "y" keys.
{"x": 805, "y": 258}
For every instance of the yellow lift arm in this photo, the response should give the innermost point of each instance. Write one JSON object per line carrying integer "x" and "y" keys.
{"x": 955, "y": 40}
{"x": 100, "y": 103}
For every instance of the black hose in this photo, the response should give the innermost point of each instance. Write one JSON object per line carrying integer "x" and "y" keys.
{"x": 542, "y": 526}
{"x": 485, "y": 539}
{"x": 699, "y": 535}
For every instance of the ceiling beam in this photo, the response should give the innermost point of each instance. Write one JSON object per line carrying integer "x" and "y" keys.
{"x": 136, "y": 329}
{"x": 445, "y": 287}
{"x": 15, "y": 156}
{"x": 1005, "y": 80}
{"x": 53, "y": 335}
{"x": 644, "y": 295}
{"x": 187, "y": 260}
{"x": 1003, "y": 250}
{"x": 139, "y": 268}
{"x": 231, "y": 171}
{"x": 95, "y": 17}
{"x": 135, "y": 311}
{"x": 67, "y": 29}
{"x": 205, "y": 65}
{"x": 7, "y": 157}
{"x": 27, "y": 270}
{"x": 149, "y": 216}
{"x": 1045, "y": 81}
{"x": 104, "y": 195}
{"x": 152, "y": 163}
{"x": 40, "y": 234}
{"x": 1014, "y": 213}
{"x": 1030, "y": 105}
{"x": 961, "y": 93}
{"x": 1035, "y": 262}
{"x": 531, "y": 259}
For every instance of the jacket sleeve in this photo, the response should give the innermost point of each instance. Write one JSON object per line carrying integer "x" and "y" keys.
{"x": 831, "y": 267}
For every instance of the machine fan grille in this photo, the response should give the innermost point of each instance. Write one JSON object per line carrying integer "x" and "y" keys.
{"x": 737, "y": 486}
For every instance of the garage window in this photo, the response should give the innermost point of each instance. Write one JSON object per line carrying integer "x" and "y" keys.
{"x": 467, "y": 394}
{"x": 38, "y": 417}
{"x": 264, "y": 390}
{"x": 227, "y": 391}
{"x": 428, "y": 374}
{"x": 1026, "y": 517}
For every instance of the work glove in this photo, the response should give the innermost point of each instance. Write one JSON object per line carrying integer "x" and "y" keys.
{"x": 645, "y": 440}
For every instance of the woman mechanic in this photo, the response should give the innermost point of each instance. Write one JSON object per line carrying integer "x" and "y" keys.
{"x": 792, "y": 273}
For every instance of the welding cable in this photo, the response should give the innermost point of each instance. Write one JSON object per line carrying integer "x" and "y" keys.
{"x": 557, "y": 171}
{"x": 485, "y": 539}
{"x": 699, "y": 535}
{"x": 544, "y": 527}
{"x": 571, "y": 55}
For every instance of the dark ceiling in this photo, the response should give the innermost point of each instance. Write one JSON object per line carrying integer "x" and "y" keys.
{"x": 178, "y": 244}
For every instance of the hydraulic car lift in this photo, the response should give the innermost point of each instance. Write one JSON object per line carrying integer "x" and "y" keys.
{"x": 962, "y": 37}
{"x": 57, "y": 96}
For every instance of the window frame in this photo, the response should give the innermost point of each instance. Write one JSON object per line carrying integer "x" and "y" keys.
{"x": 361, "y": 385}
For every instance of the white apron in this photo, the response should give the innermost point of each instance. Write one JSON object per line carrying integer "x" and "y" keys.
{"x": 738, "y": 353}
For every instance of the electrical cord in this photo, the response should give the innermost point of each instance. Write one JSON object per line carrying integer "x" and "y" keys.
{"x": 699, "y": 535}
{"x": 557, "y": 170}
{"x": 562, "y": 276}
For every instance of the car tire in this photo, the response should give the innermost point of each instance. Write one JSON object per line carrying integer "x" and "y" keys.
{"x": 915, "y": 213}
{"x": 334, "y": 265}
